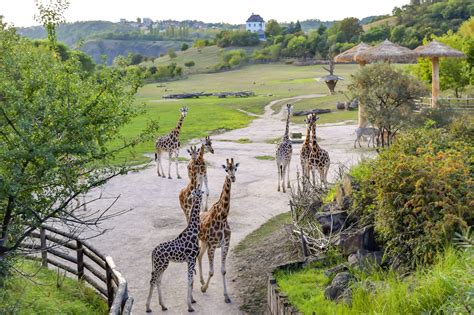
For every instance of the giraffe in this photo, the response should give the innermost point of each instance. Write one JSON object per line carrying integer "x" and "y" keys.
{"x": 214, "y": 230}
{"x": 318, "y": 158}
{"x": 283, "y": 153}
{"x": 170, "y": 143}
{"x": 306, "y": 147}
{"x": 200, "y": 164}
{"x": 184, "y": 248}
{"x": 195, "y": 177}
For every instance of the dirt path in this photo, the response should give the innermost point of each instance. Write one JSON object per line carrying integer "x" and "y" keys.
{"x": 157, "y": 216}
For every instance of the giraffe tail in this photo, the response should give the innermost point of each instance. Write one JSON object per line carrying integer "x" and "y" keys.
{"x": 156, "y": 156}
{"x": 281, "y": 170}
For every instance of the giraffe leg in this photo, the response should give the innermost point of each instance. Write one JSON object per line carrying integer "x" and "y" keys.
{"x": 313, "y": 173}
{"x": 156, "y": 276}
{"x": 224, "y": 248}
{"x": 279, "y": 175}
{"x": 177, "y": 155}
{"x": 157, "y": 160}
{"x": 170, "y": 155}
{"x": 288, "y": 176}
{"x": 202, "y": 251}
{"x": 191, "y": 265}
{"x": 207, "y": 192}
{"x": 283, "y": 173}
{"x": 210, "y": 256}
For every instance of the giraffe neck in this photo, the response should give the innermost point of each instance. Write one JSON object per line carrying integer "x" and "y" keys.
{"x": 314, "y": 143}
{"x": 201, "y": 153}
{"x": 194, "y": 216}
{"x": 177, "y": 129}
{"x": 308, "y": 135}
{"x": 287, "y": 128}
{"x": 224, "y": 200}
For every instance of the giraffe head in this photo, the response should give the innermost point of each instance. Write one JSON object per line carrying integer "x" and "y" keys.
{"x": 289, "y": 108}
{"x": 193, "y": 152}
{"x": 184, "y": 111}
{"x": 207, "y": 143}
{"x": 196, "y": 194}
{"x": 310, "y": 119}
{"x": 231, "y": 168}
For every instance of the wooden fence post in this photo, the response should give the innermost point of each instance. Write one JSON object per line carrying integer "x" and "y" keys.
{"x": 44, "y": 251}
{"x": 110, "y": 289}
{"x": 80, "y": 260}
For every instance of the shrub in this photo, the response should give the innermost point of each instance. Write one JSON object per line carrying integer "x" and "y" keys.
{"x": 189, "y": 64}
{"x": 184, "y": 47}
{"x": 424, "y": 193}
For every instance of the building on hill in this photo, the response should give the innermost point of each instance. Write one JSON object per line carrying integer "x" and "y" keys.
{"x": 256, "y": 24}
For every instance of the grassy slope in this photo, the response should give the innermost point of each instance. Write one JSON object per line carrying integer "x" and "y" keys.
{"x": 41, "y": 295}
{"x": 206, "y": 115}
{"x": 391, "y": 21}
{"x": 441, "y": 288}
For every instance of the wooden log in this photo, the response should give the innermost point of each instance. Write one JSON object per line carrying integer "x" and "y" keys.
{"x": 94, "y": 257}
{"x": 110, "y": 289}
{"x": 100, "y": 274}
{"x": 80, "y": 260}
{"x": 44, "y": 252}
{"x": 94, "y": 250}
{"x": 62, "y": 255}
{"x": 119, "y": 299}
{"x": 127, "y": 308}
{"x": 62, "y": 266}
{"x": 65, "y": 243}
{"x": 95, "y": 285}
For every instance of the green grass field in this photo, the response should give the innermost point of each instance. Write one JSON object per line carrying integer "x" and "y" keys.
{"x": 46, "y": 292}
{"x": 209, "y": 115}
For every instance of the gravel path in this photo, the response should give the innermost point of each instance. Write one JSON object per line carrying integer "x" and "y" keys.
{"x": 157, "y": 216}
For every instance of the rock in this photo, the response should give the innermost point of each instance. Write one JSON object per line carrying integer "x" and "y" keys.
{"x": 335, "y": 270}
{"x": 362, "y": 239}
{"x": 340, "y": 106}
{"x": 346, "y": 203}
{"x": 346, "y": 296}
{"x": 328, "y": 207}
{"x": 331, "y": 222}
{"x": 338, "y": 285}
{"x": 365, "y": 259}
{"x": 349, "y": 185}
{"x": 315, "y": 206}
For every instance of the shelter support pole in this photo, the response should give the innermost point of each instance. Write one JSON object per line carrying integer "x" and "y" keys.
{"x": 361, "y": 114}
{"x": 435, "y": 82}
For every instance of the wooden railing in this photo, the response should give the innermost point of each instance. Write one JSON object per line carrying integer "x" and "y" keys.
{"x": 462, "y": 103}
{"x": 77, "y": 257}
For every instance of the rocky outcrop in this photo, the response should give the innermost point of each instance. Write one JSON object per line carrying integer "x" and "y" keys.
{"x": 339, "y": 284}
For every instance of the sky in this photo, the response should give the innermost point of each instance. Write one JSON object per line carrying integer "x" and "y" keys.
{"x": 21, "y": 12}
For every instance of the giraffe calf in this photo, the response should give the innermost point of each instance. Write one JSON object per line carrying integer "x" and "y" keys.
{"x": 184, "y": 248}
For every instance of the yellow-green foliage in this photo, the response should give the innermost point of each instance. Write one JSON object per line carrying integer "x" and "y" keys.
{"x": 424, "y": 193}
{"x": 444, "y": 288}
{"x": 44, "y": 292}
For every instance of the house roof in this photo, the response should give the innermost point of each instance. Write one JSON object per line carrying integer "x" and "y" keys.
{"x": 255, "y": 18}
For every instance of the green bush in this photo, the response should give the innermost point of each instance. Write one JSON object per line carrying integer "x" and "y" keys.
{"x": 424, "y": 193}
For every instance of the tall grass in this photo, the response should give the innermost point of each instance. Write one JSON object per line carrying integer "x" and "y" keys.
{"x": 446, "y": 287}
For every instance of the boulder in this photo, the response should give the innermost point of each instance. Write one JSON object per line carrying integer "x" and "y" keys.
{"x": 338, "y": 285}
{"x": 365, "y": 259}
{"x": 335, "y": 270}
{"x": 331, "y": 222}
{"x": 361, "y": 239}
{"x": 340, "y": 106}
{"x": 329, "y": 207}
{"x": 345, "y": 203}
{"x": 315, "y": 206}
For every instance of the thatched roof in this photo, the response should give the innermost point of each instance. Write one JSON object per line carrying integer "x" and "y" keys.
{"x": 349, "y": 55}
{"x": 387, "y": 51}
{"x": 436, "y": 49}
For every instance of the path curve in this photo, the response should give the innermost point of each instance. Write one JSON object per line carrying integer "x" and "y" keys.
{"x": 157, "y": 216}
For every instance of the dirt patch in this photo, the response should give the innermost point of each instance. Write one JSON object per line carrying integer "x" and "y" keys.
{"x": 257, "y": 255}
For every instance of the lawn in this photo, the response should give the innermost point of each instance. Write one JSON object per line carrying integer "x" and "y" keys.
{"x": 211, "y": 114}
{"x": 47, "y": 292}
{"x": 443, "y": 288}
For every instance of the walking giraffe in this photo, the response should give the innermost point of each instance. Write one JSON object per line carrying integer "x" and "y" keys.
{"x": 284, "y": 152}
{"x": 195, "y": 177}
{"x": 306, "y": 147}
{"x": 200, "y": 165}
{"x": 214, "y": 230}
{"x": 318, "y": 158}
{"x": 184, "y": 248}
{"x": 169, "y": 143}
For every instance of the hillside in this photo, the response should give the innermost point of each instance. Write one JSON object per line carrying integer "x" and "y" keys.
{"x": 113, "y": 48}
{"x": 390, "y": 21}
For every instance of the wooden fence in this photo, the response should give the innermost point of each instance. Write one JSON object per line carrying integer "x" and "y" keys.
{"x": 79, "y": 258}
{"x": 462, "y": 103}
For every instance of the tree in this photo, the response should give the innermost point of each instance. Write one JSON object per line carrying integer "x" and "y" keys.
{"x": 350, "y": 29}
{"x": 57, "y": 123}
{"x": 388, "y": 96}
{"x": 184, "y": 47}
{"x": 172, "y": 53}
{"x": 136, "y": 59}
{"x": 199, "y": 44}
{"x": 272, "y": 28}
{"x": 189, "y": 64}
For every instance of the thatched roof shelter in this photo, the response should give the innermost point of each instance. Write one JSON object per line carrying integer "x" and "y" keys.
{"x": 387, "y": 52}
{"x": 436, "y": 50}
{"x": 349, "y": 55}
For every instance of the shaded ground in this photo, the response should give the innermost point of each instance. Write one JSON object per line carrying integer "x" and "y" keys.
{"x": 157, "y": 217}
